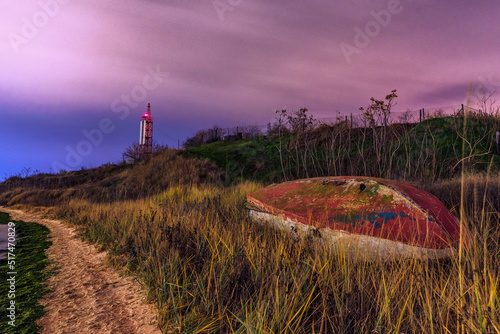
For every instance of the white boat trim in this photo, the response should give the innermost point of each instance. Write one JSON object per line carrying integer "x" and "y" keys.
{"x": 353, "y": 245}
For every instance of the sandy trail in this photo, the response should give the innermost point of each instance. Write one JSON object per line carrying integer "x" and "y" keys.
{"x": 88, "y": 296}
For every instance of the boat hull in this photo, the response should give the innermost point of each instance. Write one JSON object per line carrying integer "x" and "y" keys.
{"x": 367, "y": 217}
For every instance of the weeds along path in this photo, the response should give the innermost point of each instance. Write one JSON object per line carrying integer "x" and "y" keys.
{"x": 87, "y": 296}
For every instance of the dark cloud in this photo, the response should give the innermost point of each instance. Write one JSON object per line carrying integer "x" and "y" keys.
{"x": 444, "y": 95}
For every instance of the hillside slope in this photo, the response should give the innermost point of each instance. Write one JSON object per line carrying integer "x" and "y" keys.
{"x": 110, "y": 182}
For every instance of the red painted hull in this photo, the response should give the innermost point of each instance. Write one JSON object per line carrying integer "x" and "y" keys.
{"x": 376, "y": 209}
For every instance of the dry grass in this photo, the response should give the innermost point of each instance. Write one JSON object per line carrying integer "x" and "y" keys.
{"x": 109, "y": 183}
{"x": 210, "y": 269}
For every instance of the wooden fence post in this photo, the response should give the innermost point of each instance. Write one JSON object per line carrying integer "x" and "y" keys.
{"x": 498, "y": 142}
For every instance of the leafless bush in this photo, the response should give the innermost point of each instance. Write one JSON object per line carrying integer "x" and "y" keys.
{"x": 136, "y": 152}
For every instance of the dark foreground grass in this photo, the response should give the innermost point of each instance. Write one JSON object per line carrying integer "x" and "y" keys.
{"x": 30, "y": 268}
{"x": 211, "y": 270}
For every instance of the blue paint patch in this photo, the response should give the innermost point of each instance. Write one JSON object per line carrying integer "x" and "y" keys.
{"x": 404, "y": 215}
{"x": 372, "y": 218}
{"x": 386, "y": 216}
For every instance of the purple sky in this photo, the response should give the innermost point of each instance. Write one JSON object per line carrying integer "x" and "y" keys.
{"x": 77, "y": 75}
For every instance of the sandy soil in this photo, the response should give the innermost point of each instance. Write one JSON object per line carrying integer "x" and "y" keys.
{"x": 87, "y": 295}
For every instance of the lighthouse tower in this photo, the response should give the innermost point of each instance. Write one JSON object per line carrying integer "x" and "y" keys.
{"x": 146, "y": 138}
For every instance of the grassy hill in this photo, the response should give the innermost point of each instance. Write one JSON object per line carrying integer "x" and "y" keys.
{"x": 256, "y": 159}
{"x": 110, "y": 182}
{"x": 426, "y": 152}
{"x": 177, "y": 222}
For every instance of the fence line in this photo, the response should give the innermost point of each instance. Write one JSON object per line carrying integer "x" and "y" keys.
{"x": 356, "y": 120}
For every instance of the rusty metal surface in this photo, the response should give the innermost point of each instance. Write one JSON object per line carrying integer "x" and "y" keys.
{"x": 366, "y": 206}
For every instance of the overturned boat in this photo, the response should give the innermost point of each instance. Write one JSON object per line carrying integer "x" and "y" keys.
{"x": 372, "y": 218}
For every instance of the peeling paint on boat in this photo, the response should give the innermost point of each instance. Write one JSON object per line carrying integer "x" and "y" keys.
{"x": 379, "y": 218}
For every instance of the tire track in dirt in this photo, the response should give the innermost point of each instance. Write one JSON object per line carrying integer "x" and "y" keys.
{"x": 87, "y": 296}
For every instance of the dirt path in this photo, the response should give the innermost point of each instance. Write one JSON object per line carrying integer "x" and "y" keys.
{"x": 88, "y": 296}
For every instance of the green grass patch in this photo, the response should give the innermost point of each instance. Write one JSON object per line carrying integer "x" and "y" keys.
{"x": 428, "y": 151}
{"x": 30, "y": 267}
{"x": 257, "y": 159}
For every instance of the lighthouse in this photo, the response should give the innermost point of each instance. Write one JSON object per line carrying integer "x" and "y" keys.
{"x": 146, "y": 136}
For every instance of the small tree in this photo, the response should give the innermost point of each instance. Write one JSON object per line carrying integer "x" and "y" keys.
{"x": 295, "y": 121}
{"x": 487, "y": 102}
{"x": 279, "y": 126}
{"x": 376, "y": 113}
{"x": 199, "y": 138}
{"x": 406, "y": 117}
{"x": 299, "y": 121}
{"x": 251, "y": 131}
{"x": 136, "y": 152}
{"x": 214, "y": 134}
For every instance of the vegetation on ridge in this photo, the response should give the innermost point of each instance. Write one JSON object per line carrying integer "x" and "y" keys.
{"x": 423, "y": 153}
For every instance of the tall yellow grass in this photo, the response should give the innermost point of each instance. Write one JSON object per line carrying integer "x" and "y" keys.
{"x": 210, "y": 269}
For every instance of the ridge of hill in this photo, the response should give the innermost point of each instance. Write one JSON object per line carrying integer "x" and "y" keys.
{"x": 424, "y": 152}
{"x": 110, "y": 182}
